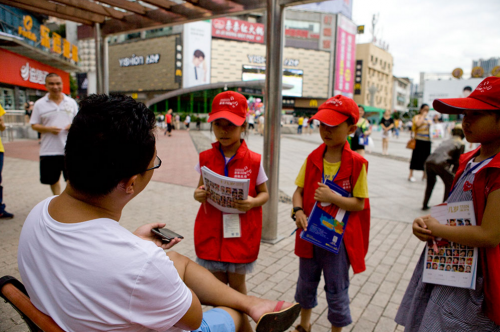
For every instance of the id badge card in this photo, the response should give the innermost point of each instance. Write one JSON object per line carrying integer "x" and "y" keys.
{"x": 232, "y": 226}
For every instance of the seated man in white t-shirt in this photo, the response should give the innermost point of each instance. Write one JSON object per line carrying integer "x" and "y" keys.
{"x": 88, "y": 273}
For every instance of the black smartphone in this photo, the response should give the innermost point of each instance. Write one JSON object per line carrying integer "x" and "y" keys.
{"x": 166, "y": 234}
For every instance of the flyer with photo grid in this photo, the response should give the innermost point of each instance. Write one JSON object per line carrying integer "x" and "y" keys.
{"x": 452, "y": 264}
{"x": 223, "y": 191}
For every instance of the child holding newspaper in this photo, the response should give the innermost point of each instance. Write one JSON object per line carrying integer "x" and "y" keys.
{"x": 229, "y": 258}
{"x": 429, "y": 307}
{"x": 334, "y": 161}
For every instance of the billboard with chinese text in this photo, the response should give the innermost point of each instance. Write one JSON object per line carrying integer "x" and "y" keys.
{"x": 238, "y": 30}
{"x": 345, "y": 57}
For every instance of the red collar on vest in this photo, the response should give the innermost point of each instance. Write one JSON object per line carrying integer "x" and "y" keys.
{"x": 240, "y": 153}
{"x": 346, "y": 165}
{"x": 466, "y": 157}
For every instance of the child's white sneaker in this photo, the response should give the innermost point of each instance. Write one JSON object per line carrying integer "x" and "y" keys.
{"x": 412, "y": 179}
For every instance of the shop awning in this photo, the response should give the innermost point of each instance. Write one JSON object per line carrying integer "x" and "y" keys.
{"x": 371, "y": 109}
{"x": 17, "y": 45}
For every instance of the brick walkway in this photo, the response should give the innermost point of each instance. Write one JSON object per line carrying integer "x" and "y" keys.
{"x": 375, "y": 294}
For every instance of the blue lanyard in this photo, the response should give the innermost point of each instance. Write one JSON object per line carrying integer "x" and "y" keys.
{"x": 226, "y": 170}
{"x": 323, "y": 173}
{"x": 464, "y": 175}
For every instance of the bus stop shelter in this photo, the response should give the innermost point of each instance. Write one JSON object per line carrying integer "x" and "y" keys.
{"x": 112, "y": 17}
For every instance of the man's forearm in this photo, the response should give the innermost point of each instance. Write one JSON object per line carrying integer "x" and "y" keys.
{"x": 41, "y": 128}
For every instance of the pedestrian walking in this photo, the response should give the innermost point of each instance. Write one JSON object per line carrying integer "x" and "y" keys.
{"x": 251, "y": 122}
{"x": 305, "y": 125}
{"x": 168, "y": 122}
{"x": 300, "y": 122}
{"x": 363, "y": 131}
{"x": 261, "y": 124}
{"x": 443, "y": 162}
{"x": 28, "y": 109}
{"x": 387, "y": 125}
{"x": 3, "y": 213}
{"x": 431, "y": 307}
{"x": 52, "y": 117}
{"x": 177, "y": 122}
{"x": 230, "y": 259}
{"x": 421, "y": 133}
{"x": 187, "y": 121}
{"x": 335, "y": 161}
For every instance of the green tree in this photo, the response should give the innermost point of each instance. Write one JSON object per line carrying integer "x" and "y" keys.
{"x": 73, "y": 87}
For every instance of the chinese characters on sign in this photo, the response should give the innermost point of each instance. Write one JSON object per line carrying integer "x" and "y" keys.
{"x": 59, "y": 44}
{"x": 345, "y": 57}
{"x": 238, "y": 30}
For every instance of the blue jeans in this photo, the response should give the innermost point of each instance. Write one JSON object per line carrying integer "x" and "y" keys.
{"x": 216, "y": 320}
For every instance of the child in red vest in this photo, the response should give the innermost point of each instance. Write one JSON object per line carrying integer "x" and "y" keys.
{"x": 230, "y": 259}
{"x": 429, "y": 307}
{"x": 333, "y": 160}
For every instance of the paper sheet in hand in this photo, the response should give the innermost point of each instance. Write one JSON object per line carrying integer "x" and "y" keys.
{"x": 224, "y": 190}
{"x": 454, "y": 264}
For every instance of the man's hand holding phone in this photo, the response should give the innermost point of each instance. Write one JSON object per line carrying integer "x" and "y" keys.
{"x": 145, "y": 232}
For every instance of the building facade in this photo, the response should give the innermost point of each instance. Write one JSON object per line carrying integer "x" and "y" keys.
{"x": 487, "y": 65}
{"x": 401, "y": 92}
{"x": 29, "y": 50}
{"x": 373, "y": 73}
{"x": 153, "y": 63}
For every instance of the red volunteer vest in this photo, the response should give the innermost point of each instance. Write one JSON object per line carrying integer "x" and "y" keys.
{"x": 487, "y": 179}
{"x": 209, "y": 241}
{"x": 357, "y": 231}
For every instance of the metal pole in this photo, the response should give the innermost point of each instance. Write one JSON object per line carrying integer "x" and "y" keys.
{"x": 105, "y": 61}
{"x": 98, "y": 58}
{"x": 272, "y": 123}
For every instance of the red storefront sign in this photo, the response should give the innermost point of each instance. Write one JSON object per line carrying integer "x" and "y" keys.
{"x": 238, "y": 30}
{"x": 22, "y": 71}
{"x": 297, "y": 33}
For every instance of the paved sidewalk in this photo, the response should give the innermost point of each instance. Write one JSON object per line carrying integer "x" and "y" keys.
{"x": 375, "y": 294}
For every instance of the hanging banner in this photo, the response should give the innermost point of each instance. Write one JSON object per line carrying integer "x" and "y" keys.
{"x": 345, "y": 57}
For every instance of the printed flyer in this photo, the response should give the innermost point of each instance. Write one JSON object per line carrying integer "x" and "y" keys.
{"x": 326, "y": 223}
{"x": 224, "y": 190}
{"x": 452, "y": 264}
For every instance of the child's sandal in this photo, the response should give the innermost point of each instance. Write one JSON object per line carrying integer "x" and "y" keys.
{"x": 300, "y": 328}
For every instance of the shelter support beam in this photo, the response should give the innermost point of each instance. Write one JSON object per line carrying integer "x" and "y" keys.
{"x": 272, "y": 123}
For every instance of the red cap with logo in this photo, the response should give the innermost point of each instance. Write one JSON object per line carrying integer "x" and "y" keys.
{"x": 486, "y": 97}
{"x": 336, "y": 110}
{"x": 231, "y": 106}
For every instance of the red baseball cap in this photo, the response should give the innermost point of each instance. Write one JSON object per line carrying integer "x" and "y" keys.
{"x": 231, "y": 106}
{"x": 336, "y": 110}
{"x": 486, "y": 97}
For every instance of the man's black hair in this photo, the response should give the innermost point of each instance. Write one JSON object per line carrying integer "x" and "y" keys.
{"x": 51, "y": 75}
{"x": 199, "y": 54}
{"x": 468, "y": 88}
{"x": 423, "y": 105}
{"x": 111, "y": 139}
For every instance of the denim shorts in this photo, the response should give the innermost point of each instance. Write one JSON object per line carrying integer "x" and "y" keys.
{"x": 216, "y": 320}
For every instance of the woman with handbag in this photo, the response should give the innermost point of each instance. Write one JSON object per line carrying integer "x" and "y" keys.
{"x": 421, "y": 134}
{"x": 361, "y": 134}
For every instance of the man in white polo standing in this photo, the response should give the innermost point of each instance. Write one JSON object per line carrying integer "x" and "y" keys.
{"x": 52, "y": 117}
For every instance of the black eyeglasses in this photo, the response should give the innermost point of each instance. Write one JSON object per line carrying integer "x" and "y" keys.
{"x": 157, "y": 164}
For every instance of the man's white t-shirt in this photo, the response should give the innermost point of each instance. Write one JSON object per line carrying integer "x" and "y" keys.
{"x": 188, "y": 119}
{"x": 98, "y": 276}
{"x": 48, "y": 113}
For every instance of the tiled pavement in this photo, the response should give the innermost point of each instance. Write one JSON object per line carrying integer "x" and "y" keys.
{"x": 375, "y": 294}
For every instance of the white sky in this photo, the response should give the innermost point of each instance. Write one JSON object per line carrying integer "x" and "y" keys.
{"x": 432, "y": 35}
